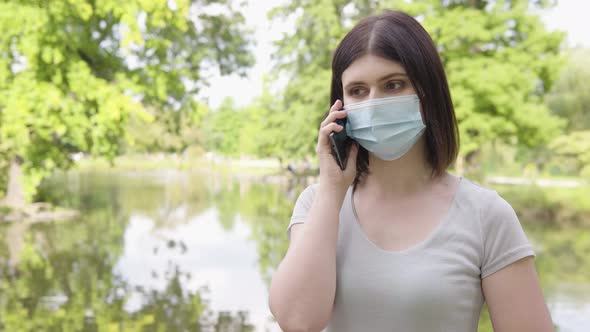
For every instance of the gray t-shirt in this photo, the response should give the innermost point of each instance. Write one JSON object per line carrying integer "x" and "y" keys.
{"x": 434, "y": 285}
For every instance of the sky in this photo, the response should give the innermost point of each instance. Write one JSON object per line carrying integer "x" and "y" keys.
{"x": 570, "y": 16}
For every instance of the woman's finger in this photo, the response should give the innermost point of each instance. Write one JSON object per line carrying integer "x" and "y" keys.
{"x": 332, "y": 117}
{"x": 336, "y": 106}
{"x": 326, "y": 130}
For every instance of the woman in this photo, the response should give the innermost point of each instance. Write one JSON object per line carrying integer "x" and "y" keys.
{"x": 394, "y": 242}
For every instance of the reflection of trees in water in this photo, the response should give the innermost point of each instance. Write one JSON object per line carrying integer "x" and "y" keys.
{"x": 227, "y": 201}
{"x": 254, "y": 199}
{"x": 178, "y": 309}
{"x": 267, "y": 208}
{"x": 65, "y": 282}
{"x": 562, "y": 254}
{"x": 168, "y": 198}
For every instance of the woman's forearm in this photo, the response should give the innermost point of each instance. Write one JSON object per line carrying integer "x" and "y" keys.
{"x": 303, "y": 287}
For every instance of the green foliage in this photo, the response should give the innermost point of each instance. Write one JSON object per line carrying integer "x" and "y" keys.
{"x": 548, "y": 205}
{"x": 573, "y": 149}
{"x": 222, "y": 128}
{"x": 264, "y": 132}
{"x": 485, "y": 322}
{"x": 500, "y": 61}
{"x": 563, "y": 255}
{"x": 570, "y": 100}
{"x": 256, "y": 130}
{"x": 569, "y": 97}
{"x": 172, "y": 131}
{"x": 73, "y": 72}
{"x": 305, "y": 57}
{"x": 499, "y": 58}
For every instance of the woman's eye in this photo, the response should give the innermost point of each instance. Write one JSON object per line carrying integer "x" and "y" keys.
{"x": 356, "y": 91}
{"x": 394, "y": 85}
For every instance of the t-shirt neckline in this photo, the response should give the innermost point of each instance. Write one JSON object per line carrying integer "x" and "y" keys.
{"x": 420, "y": 244}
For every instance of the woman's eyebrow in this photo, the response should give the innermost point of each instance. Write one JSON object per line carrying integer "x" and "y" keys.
{"x": 388, "y": 76}
{"x": 391, "y": 76}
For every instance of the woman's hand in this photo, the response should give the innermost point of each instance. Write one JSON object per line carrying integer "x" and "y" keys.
{"x": 331, "y": 176}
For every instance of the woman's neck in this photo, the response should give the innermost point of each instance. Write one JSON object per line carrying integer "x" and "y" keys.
{"x": 407, "y": 175}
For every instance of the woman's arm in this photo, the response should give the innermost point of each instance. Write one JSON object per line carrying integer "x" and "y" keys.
{"x": 302, "y": 289}
{"x": 515, "y": 299}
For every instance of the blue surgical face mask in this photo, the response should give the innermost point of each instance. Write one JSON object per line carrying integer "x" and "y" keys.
{"x": 387, "y": 127}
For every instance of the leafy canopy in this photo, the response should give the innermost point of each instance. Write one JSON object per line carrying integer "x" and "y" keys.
{"x": 73, "y": 71}
{"x": 499, "y": 58}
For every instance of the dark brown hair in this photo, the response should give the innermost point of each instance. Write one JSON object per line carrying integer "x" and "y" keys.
{"x": 397, "y": 36}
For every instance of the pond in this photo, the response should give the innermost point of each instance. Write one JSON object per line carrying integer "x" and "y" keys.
{"x": 176, "y": 251}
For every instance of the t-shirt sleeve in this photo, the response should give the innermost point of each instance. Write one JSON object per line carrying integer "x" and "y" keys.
{"x": 504, "y": 240}
{"x": 302, "y": 206}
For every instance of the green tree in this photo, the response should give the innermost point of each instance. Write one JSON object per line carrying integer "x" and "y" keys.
{"x": 169, "y": 131}
{"x": 262, "y": 133}
{"x": 569, "y": 96}
{"x": 72, "y": 72}
{"x": 222, "y": 128}
{"x": 499, "y": 58}
{"x": 570, "y": 100}
{"x": 572, "y": 152}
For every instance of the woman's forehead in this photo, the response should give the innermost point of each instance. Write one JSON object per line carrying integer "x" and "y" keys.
{"x": 371, "y": 68}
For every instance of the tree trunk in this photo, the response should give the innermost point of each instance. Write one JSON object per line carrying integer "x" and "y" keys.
{"x": 15, "y": 193}
{"x": 15, "y": 238}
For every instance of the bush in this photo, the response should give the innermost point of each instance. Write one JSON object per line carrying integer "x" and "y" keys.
{"x": 549, "y": 205}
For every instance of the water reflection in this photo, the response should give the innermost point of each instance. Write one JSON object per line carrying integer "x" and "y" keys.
{"x": 139, "y": 259}
{"x": 206, "y": 253}
{"x": 570, "y": 306}
{"x": 176, "y": 251}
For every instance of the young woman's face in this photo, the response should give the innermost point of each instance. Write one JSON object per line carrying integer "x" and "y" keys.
{"x": 371, "y": 77}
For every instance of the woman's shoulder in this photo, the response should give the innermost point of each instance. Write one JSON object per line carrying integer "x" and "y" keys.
{"x": 489, "y": 205}
{"x": 503, "y": 240}
{"x": 476, "y": 193}
{"x": 310, "y": 190}
{"x": 481, "y": 198}
{"x": 306, "y": 196}
{"x": 476, "y": 188}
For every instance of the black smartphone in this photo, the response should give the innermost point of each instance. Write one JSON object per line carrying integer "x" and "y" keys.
{"x": 340, "y": 144}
